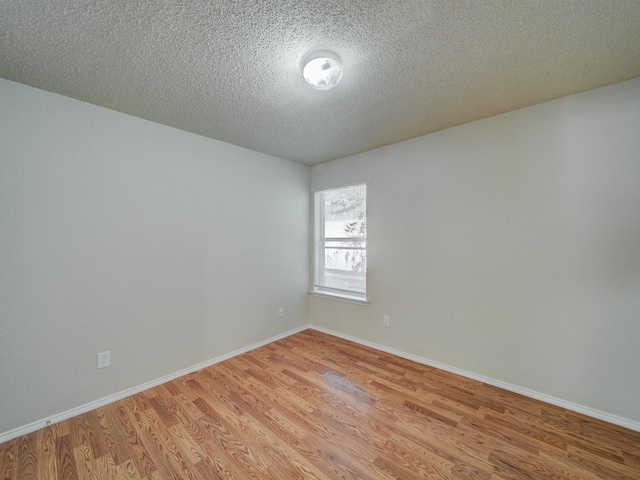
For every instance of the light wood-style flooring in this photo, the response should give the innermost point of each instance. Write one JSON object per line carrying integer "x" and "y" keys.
{"x": 312, "y": 406}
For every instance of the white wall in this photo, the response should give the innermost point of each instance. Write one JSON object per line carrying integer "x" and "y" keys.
{"x": 510, "y": 248}
{"x": 167, "y": 248}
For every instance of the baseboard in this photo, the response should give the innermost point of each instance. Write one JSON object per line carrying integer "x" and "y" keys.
{"x": 607, "y": 417}
{"x": 37, "y": 425}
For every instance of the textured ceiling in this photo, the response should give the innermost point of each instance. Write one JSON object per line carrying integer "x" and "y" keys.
{"x": 230, "y": 70}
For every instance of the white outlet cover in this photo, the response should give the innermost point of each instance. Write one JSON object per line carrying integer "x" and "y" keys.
{"x": 104, "y": 359}
{"x": 386, "y": 320}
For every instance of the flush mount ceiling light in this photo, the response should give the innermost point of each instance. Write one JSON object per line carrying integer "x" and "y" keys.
{"x": 322, "y": 70}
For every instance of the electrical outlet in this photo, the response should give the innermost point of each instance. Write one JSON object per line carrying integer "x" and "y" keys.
{"x": 104, "y": 359}
{"x": 281, "y": 312}
{"x": 386, "y": 320}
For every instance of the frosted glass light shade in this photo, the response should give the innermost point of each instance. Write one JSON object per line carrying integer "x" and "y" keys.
{"x": 322, "y": 70}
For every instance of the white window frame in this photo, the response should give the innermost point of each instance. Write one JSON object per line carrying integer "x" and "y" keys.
{"x": 319, "y": 289}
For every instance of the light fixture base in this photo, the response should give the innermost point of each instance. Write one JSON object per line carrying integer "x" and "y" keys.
{"x": 322, "y": 70}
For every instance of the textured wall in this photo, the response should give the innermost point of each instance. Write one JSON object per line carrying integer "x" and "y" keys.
{"x": 119, "y": 234}
{"x": 510, "y": 247}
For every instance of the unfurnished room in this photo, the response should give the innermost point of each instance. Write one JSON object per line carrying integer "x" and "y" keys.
{"x": 319, "y": 240}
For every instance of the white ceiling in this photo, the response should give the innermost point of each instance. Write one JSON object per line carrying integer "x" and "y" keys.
{"x": 230, "y": 70}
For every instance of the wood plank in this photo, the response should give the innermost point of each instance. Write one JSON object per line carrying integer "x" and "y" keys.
{"x": 27, "y": 457}
{"x": 8, "y": 460}
{"x": 85, "y": 463}
{"x": 138, "y": 454}
{"x": 65, "y": 460}
{"x": 46, "y": 454}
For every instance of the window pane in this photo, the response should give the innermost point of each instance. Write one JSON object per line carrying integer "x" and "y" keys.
{"x": 345, "y": 212}
{"x": 345, "y": 256}
{"x": 341, "y": 255}
{"x": 350, "y": 283}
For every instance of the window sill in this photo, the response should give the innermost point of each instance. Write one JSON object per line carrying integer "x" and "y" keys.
{"x": 340, "y": 298}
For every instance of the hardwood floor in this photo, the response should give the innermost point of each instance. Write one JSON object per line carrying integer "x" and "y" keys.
{"x": 312, "y": 406}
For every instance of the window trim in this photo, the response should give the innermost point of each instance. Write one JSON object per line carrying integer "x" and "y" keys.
{"x": 340, "y": 298}
{"x": 317, "y": 290}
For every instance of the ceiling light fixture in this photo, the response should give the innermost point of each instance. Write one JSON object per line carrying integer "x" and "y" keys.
{"x": 322, "y": 70}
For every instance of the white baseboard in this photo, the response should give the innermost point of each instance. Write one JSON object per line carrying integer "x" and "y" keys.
{"x": 37, "y": 425}
{"x": 574, "y": 407}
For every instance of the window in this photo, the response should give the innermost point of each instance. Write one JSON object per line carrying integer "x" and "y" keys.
{"x": 341, "y": 242}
